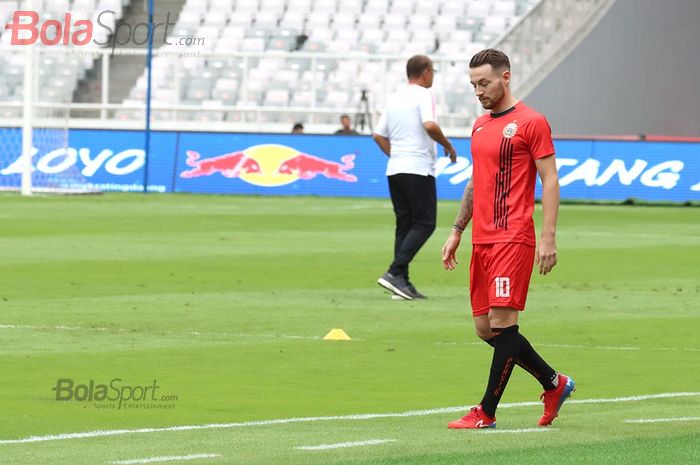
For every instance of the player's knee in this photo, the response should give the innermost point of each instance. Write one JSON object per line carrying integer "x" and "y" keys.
{"x": 483, "y": 331}
{"x": 483, "y": 334}
{"x": 482, "y": 327}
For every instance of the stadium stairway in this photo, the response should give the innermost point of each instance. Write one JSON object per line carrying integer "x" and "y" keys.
{"x": 129, "y": 67}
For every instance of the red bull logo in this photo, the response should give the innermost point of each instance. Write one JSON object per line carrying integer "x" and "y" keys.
{"x": 230, "y": 165}
{"x": 269, "y": 165}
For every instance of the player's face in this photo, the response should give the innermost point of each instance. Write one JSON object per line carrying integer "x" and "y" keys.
{"x": 489, "y": 85}
{"x": 429, "y": 75}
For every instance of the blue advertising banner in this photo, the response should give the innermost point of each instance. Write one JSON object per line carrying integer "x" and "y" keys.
{"x": 344, "y": 166}
{"x": 109, "y": 161}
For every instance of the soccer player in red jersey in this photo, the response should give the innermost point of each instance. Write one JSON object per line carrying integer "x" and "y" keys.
{"x": 510, "y": 145}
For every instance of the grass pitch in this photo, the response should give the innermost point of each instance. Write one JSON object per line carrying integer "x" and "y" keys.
{"x": 223, "y": 303}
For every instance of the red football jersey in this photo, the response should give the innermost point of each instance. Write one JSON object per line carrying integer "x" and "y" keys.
{"x": 504, "y": 149}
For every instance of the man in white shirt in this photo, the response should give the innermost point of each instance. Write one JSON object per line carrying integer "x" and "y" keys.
{"x": 407, "y": 133}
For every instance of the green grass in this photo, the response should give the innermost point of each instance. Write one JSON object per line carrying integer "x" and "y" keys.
{"x": 225, "y": 300}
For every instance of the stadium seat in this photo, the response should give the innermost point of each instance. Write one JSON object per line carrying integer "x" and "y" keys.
{"x": 494, "y": 25}
{"x": 210, "y": 33}
{"x": 373, "y": 35}
{"x": 376, "y": 7}
{"x": 398, "y": 35}
{"x": 247, "y": 5}
{"x": 252, "y": 44}
{"x": 318, "y": 19}
{"x": 344, "y": 21}
{"x": 337, "y": 98}
{"x": 399, "y": 28}
{"x": 273, "y": 5}
{"x": 276, "y": 98}
{"x": 215, "y": 19}
{"x": 453, "y": 9}
{"x": 478, "y": 9}
{"x": 266, "y": 20}
{"x": 321, "y": 34}
{"x": 444, "y": 25}
{"x": 347, "y": 35}
{"x": 395, "y": 22}
{"x": 302, "y": 98}
{"x": 401, "y": 7}
{"x": 369, "y": 22}
{"x": 428, "y": 9}
{"x": 390, "y": 48}
{"x": 293, "y": 19}
{"x": 351, "y": 7}
{"x": 504, "y": 8}
{"x": 417, "y": 23}
{"x": 301, "y": 6}
{"x": 326, "y": 6}
{"x": 217, "y": 5}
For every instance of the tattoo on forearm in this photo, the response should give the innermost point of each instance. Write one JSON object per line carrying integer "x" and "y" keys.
{"x": 467, "y": 207}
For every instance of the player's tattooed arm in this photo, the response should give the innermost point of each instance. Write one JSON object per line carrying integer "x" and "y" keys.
{"x": 466, "y": 209}
{"x": 464, "y": 216}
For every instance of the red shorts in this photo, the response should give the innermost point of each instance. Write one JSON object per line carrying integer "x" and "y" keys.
{"x": 499, "y": 276}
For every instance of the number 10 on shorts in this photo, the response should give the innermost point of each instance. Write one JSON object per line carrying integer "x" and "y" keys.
{"x": 502, "y": 287}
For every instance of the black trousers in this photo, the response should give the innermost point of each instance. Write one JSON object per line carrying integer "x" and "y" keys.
{"x": 415, "y": 206}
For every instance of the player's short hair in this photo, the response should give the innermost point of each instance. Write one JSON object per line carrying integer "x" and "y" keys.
{"x": 416, "y": 65}
{"x": 496, "y": 58}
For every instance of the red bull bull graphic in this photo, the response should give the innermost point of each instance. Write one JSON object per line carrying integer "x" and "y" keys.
{"x": 270, "y": 165}
{"x": 307, "y": 167}
{"x": 229, "y": 165}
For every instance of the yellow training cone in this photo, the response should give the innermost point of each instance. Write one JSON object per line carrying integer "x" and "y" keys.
{"x": 337, "y": 335}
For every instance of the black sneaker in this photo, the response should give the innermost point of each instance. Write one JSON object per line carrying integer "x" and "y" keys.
{"x": 414, "y": 291}
{"x": 396, "y": 284}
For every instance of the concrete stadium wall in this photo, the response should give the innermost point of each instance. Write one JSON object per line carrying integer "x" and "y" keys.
{"x": 638, "y": 72}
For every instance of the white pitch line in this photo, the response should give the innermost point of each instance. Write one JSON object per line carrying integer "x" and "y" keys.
{"x": 60, "y": 328}
{"x": 364, "y": 416}
{"x": 663, "y": 420}
{"x": 318, "y": 338}
{"x": 660, "y": 349}
{"x": 170, "y": 458}
{"x": 189, "y": 333}
{"x": 342, "y": 445}
{"x": 515, "y": 431}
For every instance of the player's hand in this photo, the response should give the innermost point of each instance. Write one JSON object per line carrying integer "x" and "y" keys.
{"x": 449, "y": 259}
{"x": 451, "y": 152}
{"x": 546, "y": 255}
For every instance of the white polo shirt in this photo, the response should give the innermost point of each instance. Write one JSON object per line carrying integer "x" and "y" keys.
{"x": 412, "y": 150}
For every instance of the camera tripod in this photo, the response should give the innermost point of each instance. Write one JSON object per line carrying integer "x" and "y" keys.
{"x": 363, "y": 115}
